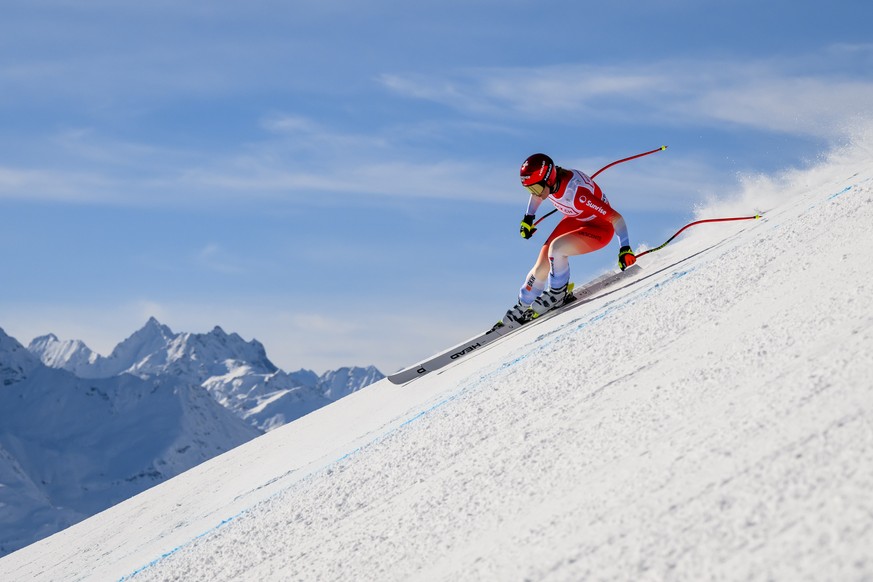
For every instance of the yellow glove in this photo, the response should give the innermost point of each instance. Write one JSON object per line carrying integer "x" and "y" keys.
{"x": 527, "y": 227}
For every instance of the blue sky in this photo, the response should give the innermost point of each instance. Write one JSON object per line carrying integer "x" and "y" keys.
{"x": 340, "y": 180}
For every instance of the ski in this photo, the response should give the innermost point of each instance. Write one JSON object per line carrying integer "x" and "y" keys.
{"x": 581, "y": 294}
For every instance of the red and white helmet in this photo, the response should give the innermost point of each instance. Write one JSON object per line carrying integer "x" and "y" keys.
{"x": 537, "y": 172}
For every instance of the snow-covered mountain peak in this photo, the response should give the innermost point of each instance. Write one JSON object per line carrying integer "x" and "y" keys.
{"x": 72, "y": 355}
{"x": 209, "y": 354}
{"x": 16, "y": 362}
{"x": 141, "y": 345}
{"x": 344, "y": 381}
{"x": 155, "y": 349}
{"x": 152, "y": 334}
{"x": 236, "y": 372}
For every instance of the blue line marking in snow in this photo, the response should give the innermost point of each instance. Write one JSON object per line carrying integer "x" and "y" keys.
{"x": 828, "y": 199}
{"x": 351, "y": 453}
{"x": 609, "y": 308}
{"x": 840, "y": 193}
{"x": 179, "y": 547}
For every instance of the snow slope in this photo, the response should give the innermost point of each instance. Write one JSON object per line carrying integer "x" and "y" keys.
{"x": 713, "y": 420}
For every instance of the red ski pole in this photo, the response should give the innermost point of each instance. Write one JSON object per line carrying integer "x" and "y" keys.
{"x": 690, "y": 224}
{"x": 616, "y": 162}
{"x": 660, "y": 149}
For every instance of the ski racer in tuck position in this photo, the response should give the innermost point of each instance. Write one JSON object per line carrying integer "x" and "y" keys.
{"x": 589, "y": 223}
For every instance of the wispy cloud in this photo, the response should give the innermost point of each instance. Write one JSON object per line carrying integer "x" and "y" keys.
{"x": 55, "y": 185}
{"x": 792, "y": 96}
{"x": 296, "y": 157}
{"x": 287, "y": 156}
{"x": 213, "y": 257}
{"x": 541, "y": 92}
{"x": 813, "y": 106}
{"x": 287, "y": 124}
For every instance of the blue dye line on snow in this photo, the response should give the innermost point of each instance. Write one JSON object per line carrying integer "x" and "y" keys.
{"x": 351, "y": 453}
{"x": 840, "y": 193}
{"x": 608, "y": 309}
{"x": 141, "y": 569}
{"x": 816, "y": 203}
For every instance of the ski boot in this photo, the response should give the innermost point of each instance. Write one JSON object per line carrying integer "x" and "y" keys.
{"x": 551, "y": 299}
{"x": 518, "y": 314}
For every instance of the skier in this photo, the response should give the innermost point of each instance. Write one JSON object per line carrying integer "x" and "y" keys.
{"x": 588, "y": 225}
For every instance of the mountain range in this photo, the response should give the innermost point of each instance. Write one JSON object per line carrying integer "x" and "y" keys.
{"x": 80, "y": 432}
{"x": 237, "y": 373}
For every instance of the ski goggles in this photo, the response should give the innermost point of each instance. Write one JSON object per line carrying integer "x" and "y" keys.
{"x": 537, "y": 189}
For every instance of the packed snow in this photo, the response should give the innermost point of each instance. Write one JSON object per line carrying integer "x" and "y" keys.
{"x": 712, "y": 419}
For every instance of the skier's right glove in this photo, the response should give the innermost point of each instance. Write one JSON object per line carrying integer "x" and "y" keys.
{"x": 527, "y": 227}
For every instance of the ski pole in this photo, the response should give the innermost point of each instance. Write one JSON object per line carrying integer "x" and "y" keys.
{"x": 690, "y": 224}
{"x": 660, "y": 149}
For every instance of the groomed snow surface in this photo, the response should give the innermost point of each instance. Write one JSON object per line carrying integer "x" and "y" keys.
{"x": 713, "y": 420}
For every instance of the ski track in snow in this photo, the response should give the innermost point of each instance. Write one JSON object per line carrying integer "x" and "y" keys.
{"x": 710, "y": 422}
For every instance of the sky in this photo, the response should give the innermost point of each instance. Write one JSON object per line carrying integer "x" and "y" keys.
{"x": 340, "y": 180}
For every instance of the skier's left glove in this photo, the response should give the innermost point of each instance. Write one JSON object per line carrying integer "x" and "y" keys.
{"x": 527, "y": 228}
{"x": 626, "y": 258}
